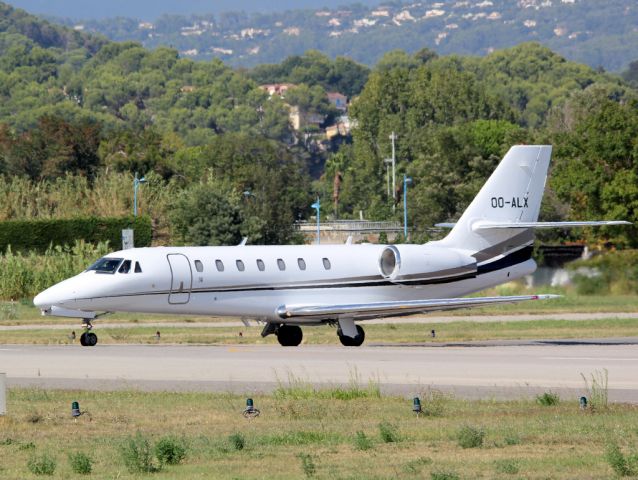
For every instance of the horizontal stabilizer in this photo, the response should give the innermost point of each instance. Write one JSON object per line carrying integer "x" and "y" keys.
{"x": 385, "y": 309}
{"x": 486, "y": 225}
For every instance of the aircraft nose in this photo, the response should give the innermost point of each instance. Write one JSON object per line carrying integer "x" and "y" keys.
{"x": 50, "y": 297}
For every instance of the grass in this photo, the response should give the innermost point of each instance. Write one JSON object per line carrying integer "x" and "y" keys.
{"x": 456, "y": 331}
{"x": 323, "y": 442}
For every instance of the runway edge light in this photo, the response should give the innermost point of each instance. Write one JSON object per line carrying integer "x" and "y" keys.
{"x": 416, "y": 406}
{"x": 75, "y": 410}
{"x": 583, "y": 403}
{"x": 250, "y": 411}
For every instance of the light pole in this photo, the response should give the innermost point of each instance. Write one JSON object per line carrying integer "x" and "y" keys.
{"x": 387, "y": 162}
{"x": 406, "y": 180}
{"x": 393, "y": 137}
{"x": 136, "y": 185}
{"x": 317, "y": 206}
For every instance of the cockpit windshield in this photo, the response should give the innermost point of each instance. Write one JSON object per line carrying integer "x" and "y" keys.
{"x": 105, "y": 265}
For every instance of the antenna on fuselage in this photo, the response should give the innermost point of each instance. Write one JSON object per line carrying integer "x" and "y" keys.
{"x": 243, "y": 242}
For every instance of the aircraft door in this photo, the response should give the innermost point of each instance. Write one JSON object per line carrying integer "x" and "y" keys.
{"x": 181, "y": 278}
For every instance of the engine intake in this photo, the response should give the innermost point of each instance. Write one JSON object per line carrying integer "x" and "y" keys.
{"x": 409, "y": 263}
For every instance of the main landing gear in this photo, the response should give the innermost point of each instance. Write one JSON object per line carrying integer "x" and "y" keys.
{"x": 291, "y": 335}
{"x": 88, "y": 338}
{"x": 356, "y": 341}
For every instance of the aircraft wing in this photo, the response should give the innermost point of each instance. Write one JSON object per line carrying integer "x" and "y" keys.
{"x": 395, "y": 308}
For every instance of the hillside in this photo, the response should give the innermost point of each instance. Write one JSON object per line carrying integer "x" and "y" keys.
{"x": 79, "y": 116}
{"x": 587, "y": 31}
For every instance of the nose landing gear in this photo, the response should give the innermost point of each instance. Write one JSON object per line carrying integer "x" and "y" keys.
{"x": 88, "y": 338}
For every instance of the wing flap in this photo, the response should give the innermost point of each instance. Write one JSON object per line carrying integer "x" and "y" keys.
{"x": 381, "y": 309}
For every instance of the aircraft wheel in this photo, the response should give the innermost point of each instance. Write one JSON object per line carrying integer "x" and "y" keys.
{"x": 357, "y": 341}
{"x": 83, "y": 341}
{"x": 91, "y": 339}
{"x": 289, "y": 335}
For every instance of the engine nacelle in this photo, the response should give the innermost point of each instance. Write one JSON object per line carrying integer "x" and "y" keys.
{"x": 410, "y": 263}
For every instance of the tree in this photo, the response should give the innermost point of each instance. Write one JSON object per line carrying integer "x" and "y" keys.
{"x": 207, "y": 214}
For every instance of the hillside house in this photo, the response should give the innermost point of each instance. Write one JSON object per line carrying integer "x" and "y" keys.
{"x": 338, "y": 100}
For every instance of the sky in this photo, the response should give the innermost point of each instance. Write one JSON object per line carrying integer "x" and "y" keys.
{"x": 151, "y": 9}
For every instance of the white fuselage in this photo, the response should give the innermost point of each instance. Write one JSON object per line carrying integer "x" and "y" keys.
{"x": 228, "y": 281}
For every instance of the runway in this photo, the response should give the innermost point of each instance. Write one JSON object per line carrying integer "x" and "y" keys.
{"x": 470, "y": 370}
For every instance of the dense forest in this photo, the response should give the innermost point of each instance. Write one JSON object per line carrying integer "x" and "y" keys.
{"x": 599, "y": 34}
{"x": 80, "y": 115}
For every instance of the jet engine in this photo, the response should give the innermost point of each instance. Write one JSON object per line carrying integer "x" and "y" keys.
{"x": 406, "y": 263}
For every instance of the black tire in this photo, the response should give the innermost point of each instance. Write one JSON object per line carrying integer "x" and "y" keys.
{"x": 289, "y": 335}
{"x": 91, "y": 339}
{"x": 83, "y": 340}
{"x": 357, "y": 341}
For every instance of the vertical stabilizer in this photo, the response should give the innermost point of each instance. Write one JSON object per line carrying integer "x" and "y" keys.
{"x": 512, "y": 194}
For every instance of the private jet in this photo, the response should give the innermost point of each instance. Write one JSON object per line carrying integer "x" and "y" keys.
{"x": 287, "y": 287}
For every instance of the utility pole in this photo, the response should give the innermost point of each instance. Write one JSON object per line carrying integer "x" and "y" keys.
{"x": 406, "y": 180}
{"x": 393, "y": 137}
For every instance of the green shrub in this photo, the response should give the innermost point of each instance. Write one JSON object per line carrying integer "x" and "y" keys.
{"x": 512, "y": 439}
{"x": 362, "y": 442}
{"x": 617, "y": 461}
{"x": 137, "y": 455}
{"x": 42, "y": 465}
{"x": 548, "y": 399}
{"x": 388, "y": 432}
{"x": 307, "y": 464}
{"x": 237, "y": 441}
{"x": 170, "y": 451}
{"x": 470, "y": 437}
{"x": 444, "y": 475}
{"x": 39, "y": 235}
{"x": 507, "y": 466}
{"x": 615, "y": 272}
{"x": 24, "y": 275}
{"x": 80, "y": 463}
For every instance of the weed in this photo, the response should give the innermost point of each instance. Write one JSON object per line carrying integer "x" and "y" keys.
{"x": 388, "y": 432}
{"x": 597, "y": 389}
{"x": 548, "y": 399}
{"x": 470, "y": 437}
{"x": 8, "y": 311}
{"x": 80, "y": 463}
{"x": 34, "y": 417}
{"x": 307, "y": 464}
{"x": 237, "y": 441}
{"x": 27, "y": 446}
{"x": 512, "y": 439}
{"x": 434, "y": 402}
{"x": 170, "y": 451}
{"x": 617, "y": 461}
{"x": 444, "y": 475}
{"x": 136, "y": 454}
{"x": 42, "y": 465}
{"x": 7, "y": 441}
{"x": 361, "y": 441}
{"x": 298, "y": 389}
{"x": 507, "y": 466}
{"x": 415, "y": 466}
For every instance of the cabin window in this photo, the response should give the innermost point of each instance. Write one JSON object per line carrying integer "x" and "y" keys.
{"x": 302, "y": 263}
{"x": 240, "y": 265}
{"x": 126, "y": 266}
{"x": 105, "y": 265}
{"x": 199, "y": 266}
{"x": 281, "y": 264}
{"x": 260, "y": 265}
{"x": 326, "y": 264}
{"x": 220, "y": 265}
{"x": 138, "y": 268}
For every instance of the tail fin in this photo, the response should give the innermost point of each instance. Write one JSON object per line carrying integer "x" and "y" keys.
{"x": 512, "y": 194}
